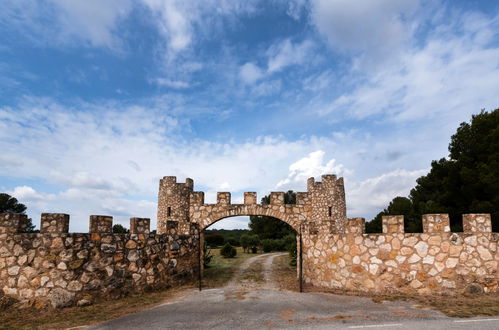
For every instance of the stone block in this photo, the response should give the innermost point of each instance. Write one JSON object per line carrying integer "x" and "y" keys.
{"x": 276, "y": 198}
{"x": 223, "y": 198}
{"x": 355, "y": 226}
{"x": 301, "y": 198}
{"x": 436, "y": 223}
{"x": 140, "y": 225}
{"x": 473, "y": 223}
{"x": 393, "y": 224}
{"x": 197, "y": 198}
{"x": 54, "y": 223}
{"x": 11, "y": 223}
{"x": 249, "y": 198}
{"x": 101, "y": 224}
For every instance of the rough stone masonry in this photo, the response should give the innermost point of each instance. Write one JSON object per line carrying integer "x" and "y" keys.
{"x": 62, "y": 269}
{"x": 336, "y": 251}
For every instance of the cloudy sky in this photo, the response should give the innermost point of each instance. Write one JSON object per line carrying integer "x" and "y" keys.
{"x": 99, "y": 99}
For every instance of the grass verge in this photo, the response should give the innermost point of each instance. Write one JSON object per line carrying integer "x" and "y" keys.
{"x": 284, "y": 274}
{"x": 102, "y": 310}
{"x": 463, "y": 305}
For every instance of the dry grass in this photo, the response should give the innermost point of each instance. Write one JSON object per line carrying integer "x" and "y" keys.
{"x": 104, "y": 310}
{"x": 221, "y": 269}
{"x": 284, "y": 274}
{"x": 463, "y": 305}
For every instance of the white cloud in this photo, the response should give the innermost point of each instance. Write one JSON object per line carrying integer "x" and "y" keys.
{"x": 250, "y": 73}
{"x": 172, "y": 83}
{"x": 92, "y": 20}
{"x": 279, "y": 56}
{"x": 311, "y": 166}
{"x": 374, "y": 27}
{"x": 287, "y": 53}
{"x": 295, "y": 8}
{"x": 372, "y": 195}
{"x": 27, "y": 193}
{"x": 452, "y": 74}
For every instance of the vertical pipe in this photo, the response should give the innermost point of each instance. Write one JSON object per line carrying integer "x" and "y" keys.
{"x": 200, "y": 278}
{"x": 300, "y": 270}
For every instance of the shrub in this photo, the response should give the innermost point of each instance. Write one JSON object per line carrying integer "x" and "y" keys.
{"x": 228, "y": 251}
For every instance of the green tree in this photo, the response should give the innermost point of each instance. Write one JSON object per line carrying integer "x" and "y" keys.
{"x": 468, "y": 181}
{"x": 214, "y": 240}
{"x": 9, "y": 204}
{"x": 465, "y": 182}
{"x": 272, "y": 228}
{"x": 398, "y": 206}
{"x": 119, "y": 229}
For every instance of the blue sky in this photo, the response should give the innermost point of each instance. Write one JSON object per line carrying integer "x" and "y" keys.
{"x": 99, "y": 99}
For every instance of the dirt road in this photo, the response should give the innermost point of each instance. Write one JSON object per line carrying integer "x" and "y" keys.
{"x": 251, "y": 300}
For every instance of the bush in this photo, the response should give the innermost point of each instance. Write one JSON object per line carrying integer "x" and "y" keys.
{"x": 254, "y": 249}
{"x": 228, "y": 251}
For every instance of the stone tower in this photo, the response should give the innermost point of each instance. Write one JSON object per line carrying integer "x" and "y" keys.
{"x": 327, "y": 201}
{"x": 173, "y": 202}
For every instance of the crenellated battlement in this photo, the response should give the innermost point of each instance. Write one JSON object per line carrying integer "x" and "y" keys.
{"x": 58, "y": 223}
{"x": 52, "y": 264}
{"x": 432, "y": 223}
{"x": 323, "y": 201}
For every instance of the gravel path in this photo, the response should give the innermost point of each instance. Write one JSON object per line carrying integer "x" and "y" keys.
{"x": 246, "y": 305}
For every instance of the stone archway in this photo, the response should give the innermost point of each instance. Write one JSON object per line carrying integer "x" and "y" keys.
{"x": 323, "y": 203}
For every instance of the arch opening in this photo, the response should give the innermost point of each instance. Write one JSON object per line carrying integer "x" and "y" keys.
{"x": 265, "y": 258}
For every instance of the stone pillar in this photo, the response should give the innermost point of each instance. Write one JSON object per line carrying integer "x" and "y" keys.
{"x": 250, "y": 198}
{"x": 436, "y": 223}
{"x": 140, "y": 225}
{"x": 223, "y": 198}
{"x": 473, "y": 223}
{"x": 13, "y": 223}
{"x": 54, "y": 223}
{"x": 277, "y": 198}
{"x": 355, "y": 226}
{"x": 101, "y": 224}
{"x": 196, "y": 198}
{"x": 393, "y": 224}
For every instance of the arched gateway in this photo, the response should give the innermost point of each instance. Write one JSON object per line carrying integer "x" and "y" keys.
{"x": 336, "y": 253}
{"x": 324, "y": 202}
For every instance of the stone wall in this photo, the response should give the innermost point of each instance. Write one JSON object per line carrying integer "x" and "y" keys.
{"x": 63, "y": 268}
{"x": 436, "y": 261}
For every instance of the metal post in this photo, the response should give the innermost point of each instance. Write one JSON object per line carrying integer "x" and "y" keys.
{"x": 200, "y": 278}
{"x": 300, "y": 269}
